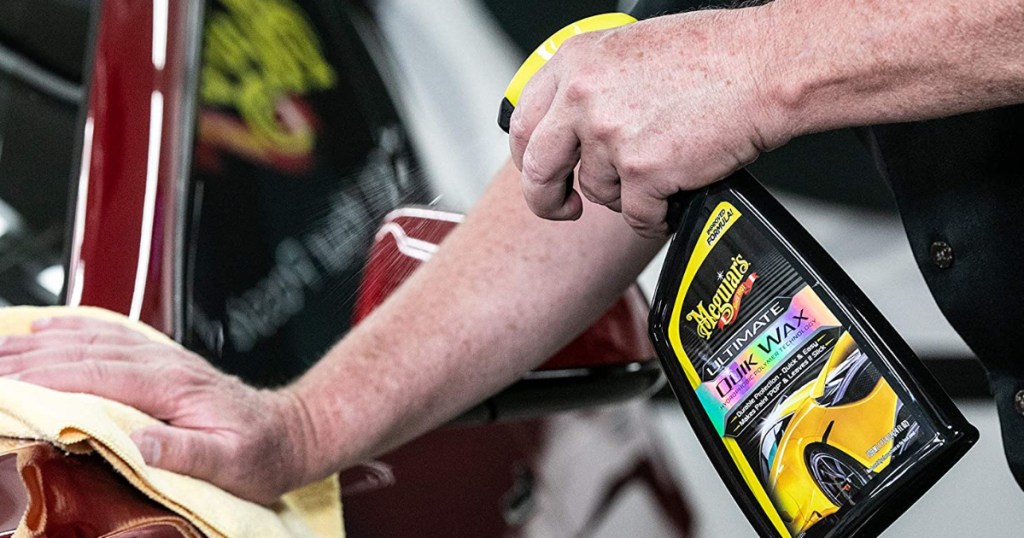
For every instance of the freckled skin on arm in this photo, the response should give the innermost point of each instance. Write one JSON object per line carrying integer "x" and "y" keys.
{"x": 505, "y": 291}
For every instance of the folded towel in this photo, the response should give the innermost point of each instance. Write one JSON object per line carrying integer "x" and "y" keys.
{"x": 79, "y": 495}
{"x": 81, "y": 423}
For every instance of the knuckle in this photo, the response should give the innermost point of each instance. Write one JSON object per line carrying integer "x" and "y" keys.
{"x": 177, "y": 374}
{"x": 535, "y": 172}
{"x": 92, "y": 338}
{"x": 518, "y": 130}
{"x": 635, "y": 167}
{"x": 599, "y": 194}
{"x": 589, "y": 193}
{"x": 92, "y": 369}
{"x": 602, "y": 129}
{"x": 578, "y": 89}
{"x": 634, "y": 219}
{"x": 74, "y": 353}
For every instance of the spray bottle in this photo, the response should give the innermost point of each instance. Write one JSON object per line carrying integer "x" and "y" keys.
{"x": 818, "y": 417}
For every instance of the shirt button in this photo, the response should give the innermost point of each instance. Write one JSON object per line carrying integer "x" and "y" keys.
{"x": 1018, "y": 402}
{"x": 942, "y": 254}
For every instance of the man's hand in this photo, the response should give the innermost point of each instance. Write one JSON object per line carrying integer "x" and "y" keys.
{"x": 677, "y": 102}
{"x": 245, "y": 440}
{"x": 649, "y": 109}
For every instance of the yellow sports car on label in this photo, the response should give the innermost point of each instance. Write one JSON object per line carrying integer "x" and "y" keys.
{"x": 824, "y": 442}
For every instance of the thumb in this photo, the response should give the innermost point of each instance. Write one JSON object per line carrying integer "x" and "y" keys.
{"x": 182, "y": 451}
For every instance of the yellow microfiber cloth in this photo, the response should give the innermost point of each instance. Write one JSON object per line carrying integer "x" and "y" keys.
{"x": 82, "y": 423}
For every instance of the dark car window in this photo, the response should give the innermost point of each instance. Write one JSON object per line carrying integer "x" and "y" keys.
{"x": 42, "y": 47}
{"x": 50, "y": 33}
{"x": 299, "y": 154}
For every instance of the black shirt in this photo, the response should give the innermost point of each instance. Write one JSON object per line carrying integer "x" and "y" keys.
{"x": 959, "y": 185}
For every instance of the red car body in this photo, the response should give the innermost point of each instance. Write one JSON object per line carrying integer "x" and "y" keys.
{"x": 538, "y": 459}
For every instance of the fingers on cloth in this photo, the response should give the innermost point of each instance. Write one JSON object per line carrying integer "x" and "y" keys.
{"x": 87, "y": 325}
{"x": 22, "y": 343}
{"x": 22, "y": 353}
{"x": 146, "y": 387}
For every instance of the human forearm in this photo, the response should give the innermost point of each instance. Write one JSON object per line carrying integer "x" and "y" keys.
{"x": 838, "y": 64}
{"x": 504, "y": 292}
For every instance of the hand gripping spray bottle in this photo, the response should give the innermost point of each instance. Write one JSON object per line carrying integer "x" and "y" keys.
{"x": 816, "y": 414}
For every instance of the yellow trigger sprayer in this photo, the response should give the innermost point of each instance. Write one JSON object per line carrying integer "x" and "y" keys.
{"x": 545, "y": 51}
{"x": 818, "y": 417}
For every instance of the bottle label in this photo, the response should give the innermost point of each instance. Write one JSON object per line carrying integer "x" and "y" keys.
{"x": 805, "y": 407}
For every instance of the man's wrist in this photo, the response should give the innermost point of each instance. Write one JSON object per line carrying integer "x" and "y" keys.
{"x": 784, "y": 82}
{"x": 775, "y": 94}
{"x": 840, "y": 64}
{"x": 301, "y": 438}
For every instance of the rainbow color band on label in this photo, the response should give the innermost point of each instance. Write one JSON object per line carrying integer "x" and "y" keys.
{"x": 791, "y": 330}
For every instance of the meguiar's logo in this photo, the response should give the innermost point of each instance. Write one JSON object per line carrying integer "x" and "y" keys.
{"x": 724, "y": 306}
